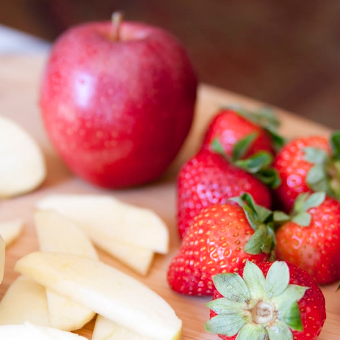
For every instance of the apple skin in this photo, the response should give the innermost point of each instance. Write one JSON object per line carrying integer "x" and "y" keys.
{"x": 118, "y": 111}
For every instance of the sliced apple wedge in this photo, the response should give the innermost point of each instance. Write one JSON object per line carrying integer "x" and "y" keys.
{"x": 22, "y": 163}
{"x": 71, "y": 239}
{"x": 65, "y": 313}
{"x": 137, "y": 258}
{"x": 105, "y": 290}
{"x": 108, "y": 216}
{"x": 105, "y": 329}
{"x": 10, "y": 230}
{"x": 2, "y": 258}
{"x": 57, "y": 234}
{"x": 30, "y": 331}
{"x": 24, "y": 300}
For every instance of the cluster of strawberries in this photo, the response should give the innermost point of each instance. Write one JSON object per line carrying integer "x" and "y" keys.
{"x": 225, "y": 193}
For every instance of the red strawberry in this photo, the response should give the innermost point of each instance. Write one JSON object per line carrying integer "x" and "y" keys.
{"x": 208, "y": 179}
{"x": 274, "y": 301}
{"x": 308, "y": 164}
{"x": 311, "y": 238}
{"x": 221, "y": 238}
{"x": 232, "y": 125}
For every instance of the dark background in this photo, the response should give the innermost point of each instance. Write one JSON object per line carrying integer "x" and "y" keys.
{"x": 286, "y": 53}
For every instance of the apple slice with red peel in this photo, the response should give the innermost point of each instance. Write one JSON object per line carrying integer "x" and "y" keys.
{"x": 31, "y": 331}
{"x": 56, "y": 233}
{"x": 117, "y": 220}
{"x": 105, "y": 329}
{"x": 2, "y": 258}
{"x": 105, "y": 290}
{"x": 22, "y": 163}
{"x": 10, "y": 230}
{"x": 24, "y": 300}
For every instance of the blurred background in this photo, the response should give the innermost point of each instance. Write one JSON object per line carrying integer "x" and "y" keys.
{"x": 286, "y": 53}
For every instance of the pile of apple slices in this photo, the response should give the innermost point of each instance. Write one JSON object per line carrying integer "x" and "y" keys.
{"x": 64, "y": 285}
{"x": 130, "y": 234}
{"x": 105, "y": 290}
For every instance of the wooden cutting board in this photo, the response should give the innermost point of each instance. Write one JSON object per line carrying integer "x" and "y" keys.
{"x": 19, "y": 88}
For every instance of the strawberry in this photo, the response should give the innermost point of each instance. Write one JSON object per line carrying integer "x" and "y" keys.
{"x": 221, "y": 238}
{"x": 308, "y": 164}
{"x": 207, "y": 179}
{"x": 273, "y": 301}
{"x": 230, "y": 125}
{"x": 310, "y": 237}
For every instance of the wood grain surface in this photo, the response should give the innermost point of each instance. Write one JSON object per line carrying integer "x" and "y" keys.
{"x": 19, "y": 90}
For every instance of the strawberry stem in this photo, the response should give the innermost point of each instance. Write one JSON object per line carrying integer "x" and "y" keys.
{"x": 254, "y": 306}
{"x": 263, "y": 312}
{"x": 258, "y": 164}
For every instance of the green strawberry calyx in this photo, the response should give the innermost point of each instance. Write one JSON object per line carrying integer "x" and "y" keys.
{"x": 325, "y": 173}
{"x": 300, "y": 214}
{"x": 258, "y": 164}
{"x": 264, "y": 117}
{"x": 256, "y": 307}
{"x": 261, "y": 220}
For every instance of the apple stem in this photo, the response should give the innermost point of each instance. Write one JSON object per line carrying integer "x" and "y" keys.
{"x": 116, "y": 19}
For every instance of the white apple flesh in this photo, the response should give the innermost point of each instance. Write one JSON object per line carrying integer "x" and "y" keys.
{"x": 57, "y": 234}
{"x": 137, "y": 258}
{"x": 30, "y": 331}
{"x": 24, "y": 300}
{"x": 10, "y": 230}
{"x": 105, "y": 290}
{"x": 22, "y": 164}
{"x": 107, "y": 216}
{"x": 65, "y": 313}
{"x": 105, "y": 329}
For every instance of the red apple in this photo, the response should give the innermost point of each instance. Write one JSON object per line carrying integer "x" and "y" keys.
{"x": 118, "y": 108}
